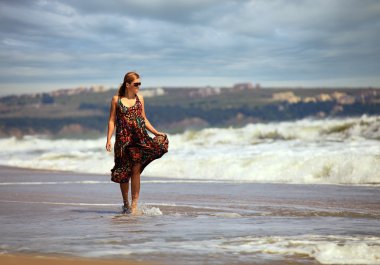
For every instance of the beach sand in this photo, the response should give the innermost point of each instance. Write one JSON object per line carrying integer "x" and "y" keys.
{"x": 67, "y": 215}
{"x": 55, "y": 260}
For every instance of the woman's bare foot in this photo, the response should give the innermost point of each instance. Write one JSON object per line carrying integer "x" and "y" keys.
{"x": 134, "y": 209}
{"x": 126, "y": 208}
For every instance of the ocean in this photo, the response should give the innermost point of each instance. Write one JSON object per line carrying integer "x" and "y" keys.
{"x": 332, "y": 151}
{"x": 301, "y": 192}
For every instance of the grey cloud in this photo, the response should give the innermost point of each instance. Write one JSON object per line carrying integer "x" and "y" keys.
{"x": 307, "y": 29}
{"x": 165, "y": 10}
{"x": 268, "y": 40}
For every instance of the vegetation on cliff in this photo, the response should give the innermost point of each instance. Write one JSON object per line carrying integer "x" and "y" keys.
{"x": 85, "y": 111}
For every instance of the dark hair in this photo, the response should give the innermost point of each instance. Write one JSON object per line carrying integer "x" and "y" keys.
{"x": 128, "y": 78}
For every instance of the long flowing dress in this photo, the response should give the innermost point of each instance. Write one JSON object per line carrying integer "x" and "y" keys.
{"x": 133, "y": 145}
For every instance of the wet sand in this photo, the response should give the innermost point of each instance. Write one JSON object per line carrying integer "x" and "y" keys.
{"x": 55, "y": 260}
{"x": 186, "y": 221}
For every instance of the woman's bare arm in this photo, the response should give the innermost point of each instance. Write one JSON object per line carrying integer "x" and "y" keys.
{"x": 111, "y": 122}
{"x": 148, "y": 125}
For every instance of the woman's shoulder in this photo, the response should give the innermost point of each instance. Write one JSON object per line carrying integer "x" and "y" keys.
{"x": 115, "y": 98}
{"x": 141, "y": 98}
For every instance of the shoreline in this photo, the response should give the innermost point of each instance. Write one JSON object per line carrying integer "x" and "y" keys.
{"x": 43, "y": 259}
{"x": 44, "y": 170}
{"x": 16, "y": 259}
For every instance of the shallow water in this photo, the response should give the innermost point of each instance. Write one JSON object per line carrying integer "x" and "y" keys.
{"x": 189, "y": 222}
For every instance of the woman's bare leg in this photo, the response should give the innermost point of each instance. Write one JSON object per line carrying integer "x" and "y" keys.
{"x": 135, "y": 185}
{"x": 124, "y": 187}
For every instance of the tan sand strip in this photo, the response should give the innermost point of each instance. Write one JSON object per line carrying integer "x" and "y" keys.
{"x": 7, "y": 259}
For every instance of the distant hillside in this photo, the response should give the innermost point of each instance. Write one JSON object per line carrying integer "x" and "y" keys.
{"x": 84, "y": 112}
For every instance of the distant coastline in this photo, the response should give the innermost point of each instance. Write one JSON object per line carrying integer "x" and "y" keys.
{"x": 84, "y": 111}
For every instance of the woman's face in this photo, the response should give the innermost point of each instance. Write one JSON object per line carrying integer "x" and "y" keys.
{"x": 134, "y": 86}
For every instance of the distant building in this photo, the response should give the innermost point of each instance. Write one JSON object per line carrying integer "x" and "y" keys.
{"x": 286, "y": 96}
{"x": 324, "y": 97}
{"x": 243, "y": 86}
{"x": 78, "y": 90}
{"x": 347, "y": 100}
{"x": 343, "y": 98}
{"x": 205, "y": 91}
{"x": 338, "y": 95}
{"x": 309, "y": 99}
{"x": 152, "y": 92}
{"x": 97, "y": 89}
{"x": 368, "y": 95}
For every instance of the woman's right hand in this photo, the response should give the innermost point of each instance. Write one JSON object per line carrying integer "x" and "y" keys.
{"x": 108, "y": 146}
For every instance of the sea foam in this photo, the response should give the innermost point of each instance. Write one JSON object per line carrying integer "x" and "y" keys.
{"x": 332, "y": 151}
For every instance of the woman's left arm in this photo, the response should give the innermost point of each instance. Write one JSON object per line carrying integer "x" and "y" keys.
{"x": 148, "y": 125}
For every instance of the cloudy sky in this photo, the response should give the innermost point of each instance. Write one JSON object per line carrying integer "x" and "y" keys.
{"x": 52, "y": 44}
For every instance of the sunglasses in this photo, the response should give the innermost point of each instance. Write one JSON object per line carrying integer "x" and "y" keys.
{"x": 136, "y": 84}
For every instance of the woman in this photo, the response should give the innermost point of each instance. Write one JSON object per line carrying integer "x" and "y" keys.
{"x": 134, "y": 149}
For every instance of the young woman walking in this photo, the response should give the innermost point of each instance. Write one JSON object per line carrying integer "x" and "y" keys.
{"x": 134, "y": 149}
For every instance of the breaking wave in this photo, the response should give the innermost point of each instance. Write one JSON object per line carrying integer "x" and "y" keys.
{"x": 332, "y": 151}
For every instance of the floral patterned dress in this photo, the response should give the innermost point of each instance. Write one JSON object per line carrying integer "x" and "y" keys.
{"x": 133, "y": 145}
